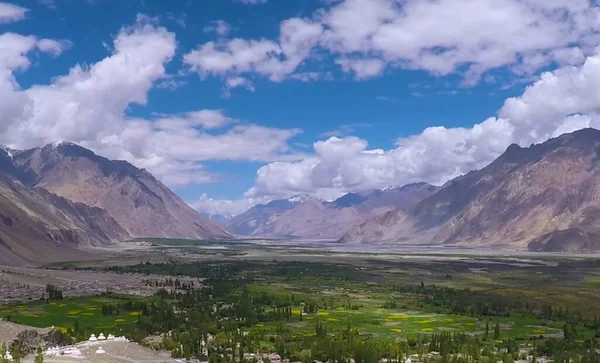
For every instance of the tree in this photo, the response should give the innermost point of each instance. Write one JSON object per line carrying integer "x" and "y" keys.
{"x": 3, "y": 352}
{"x": 39, "y": 356}
{"x": 487, "y": 329}
{"x": 497, "y": 330}
{"x": 16, "y": 354}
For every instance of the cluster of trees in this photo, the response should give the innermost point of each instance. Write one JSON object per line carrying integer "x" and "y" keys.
{"x": 54, "y": 293}
{"x": 128, "y": 306}
{"x": 14, "y": 350}
{"x": 170, "y": 282}
{"x": 206, "y": 321}
{"x": 482, "y": 304}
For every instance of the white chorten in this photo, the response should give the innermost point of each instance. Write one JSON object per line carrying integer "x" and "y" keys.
{"x": 74, "y": 352}
{"x": 8, "y": 356}
{"x": 111, "y": 337}
{"x": 100, "y": 350}
{"x": 93, "y": 338}
{"x": 53, "y": 351}
{"x": 101, "y": 336}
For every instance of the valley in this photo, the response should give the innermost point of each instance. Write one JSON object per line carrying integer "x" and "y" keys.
{"x": 278, "y": 297}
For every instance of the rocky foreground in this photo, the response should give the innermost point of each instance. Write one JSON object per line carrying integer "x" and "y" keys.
{"x": 53, "y": 344}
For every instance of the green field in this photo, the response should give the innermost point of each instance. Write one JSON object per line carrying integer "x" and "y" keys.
{"x": 371, "y": 318}
{"x": 63, "y": 314}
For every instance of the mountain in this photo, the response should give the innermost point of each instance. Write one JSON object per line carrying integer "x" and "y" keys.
{"x": 386, "y": 199}
{"x": 38, "y": 226}
{"x": 313, "y": 218}
{"x": 254, "y": 220}
{"x": 545, "y": 197}
{"x": 133, "y": 197}
{"x": 219, "y": 218}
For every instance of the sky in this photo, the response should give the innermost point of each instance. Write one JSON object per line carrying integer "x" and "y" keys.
{"x": 237, "y": 102}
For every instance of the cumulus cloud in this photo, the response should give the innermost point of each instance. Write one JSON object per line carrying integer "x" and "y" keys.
{"x": 89, "y": 106}
{"x": 365, "y": 37}
{"x": 10, "y": 13}
{"x": 362, "y": 68}
{"x": 560, "y": 101}
{"x": 274, "y": 59}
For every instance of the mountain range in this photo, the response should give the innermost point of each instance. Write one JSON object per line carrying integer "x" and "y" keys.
{"x": 313, "y": 218}
{"x": 38, "y": 226}
{"x": 63, "y": 196}
{"x": 56, "y": 199}
{"x": 544, "y": 198}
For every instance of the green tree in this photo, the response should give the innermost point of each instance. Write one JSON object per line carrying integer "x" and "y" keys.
{"x": 16, "y": 354}
{"x": 3, "y": 352}
{"x": 39, "y": 356}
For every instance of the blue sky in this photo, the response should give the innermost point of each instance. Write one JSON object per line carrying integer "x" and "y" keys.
{"x": 233, "y": 103}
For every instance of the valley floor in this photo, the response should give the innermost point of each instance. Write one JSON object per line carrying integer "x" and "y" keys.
{"x": 389, "y": 296}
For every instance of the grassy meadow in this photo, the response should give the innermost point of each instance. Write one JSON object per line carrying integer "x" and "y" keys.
{"x": 64, "y": 314}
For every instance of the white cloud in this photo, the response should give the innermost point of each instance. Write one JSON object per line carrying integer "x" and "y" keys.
{"x": 237, "y": 82}
{"x": 171, "y": 83}
{"x": 207, "y": 119}
{"x": 10, "y": 13}
{"x": 367, "y": 36}
{"x": 345, "y": 129}
{"x": 53, "y": 47}
{"x": 425, "y": 34}
{"x": 275, "y": 60}
{"x": 219, "y": 27}
{"x": 310, "y": 76}
{"x": 89, "y": 106}
{"x": 225, "y": 207}
{"x": 362, "y": 68}
{"x": 560, "y": 101}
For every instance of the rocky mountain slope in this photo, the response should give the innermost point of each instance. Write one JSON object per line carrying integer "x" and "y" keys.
{"x": 38, "y": 226}
{"x": 133, "y": 197}
{"x": 545, "y": 197}
{"x": 313, "y": 218}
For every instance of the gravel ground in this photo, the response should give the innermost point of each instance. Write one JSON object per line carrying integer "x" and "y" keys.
{"x": 9, "y": 331}
{"x": 116, "y": 352}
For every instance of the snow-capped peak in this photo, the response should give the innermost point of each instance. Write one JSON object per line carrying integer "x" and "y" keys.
{"x": 59, "y": 143}
{"x": 302, "y": 198}
{"x": 8, "y": 150}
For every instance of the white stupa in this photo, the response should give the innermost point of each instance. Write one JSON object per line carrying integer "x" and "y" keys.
{"x": 53, "y": 352}
{"x": 73, "y": 352}
{"x": 100, "y": 350}
{"x": 93, "y": 338}
{"x": 111, "y": 337}
{"x": 9, "y": 356}
{"x": 101, "y": 336}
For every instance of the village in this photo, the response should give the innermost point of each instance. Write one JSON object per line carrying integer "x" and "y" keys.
{"x": 110, "y": 348}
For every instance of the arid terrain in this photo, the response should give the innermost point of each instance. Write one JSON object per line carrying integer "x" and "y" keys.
{"x": 23, "y": 283}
